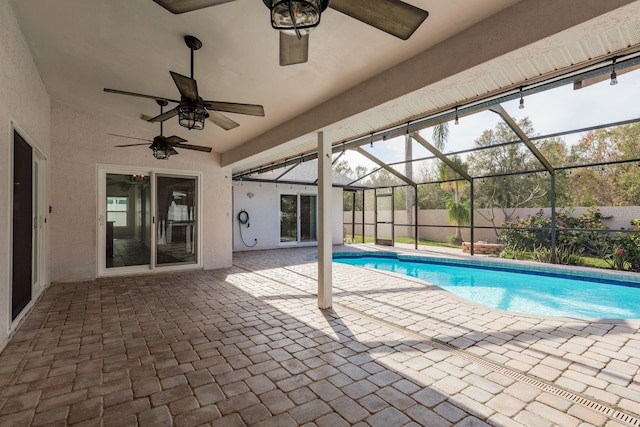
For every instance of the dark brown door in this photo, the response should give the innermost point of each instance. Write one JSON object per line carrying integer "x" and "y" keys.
{"x": 22, "y": 224}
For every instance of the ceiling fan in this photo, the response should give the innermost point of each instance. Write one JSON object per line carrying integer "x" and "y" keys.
{"x": 296, "y": 18}
{"x": 164, "y": 146}
{"x": 192, "y": 110}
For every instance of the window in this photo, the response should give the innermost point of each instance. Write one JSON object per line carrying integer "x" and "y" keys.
{"x": 117, "y": 210}
{"x": 298, "y": 218}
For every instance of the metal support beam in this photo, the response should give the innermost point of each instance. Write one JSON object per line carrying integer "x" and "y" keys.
{"x": 384, "y": 166}
{"x": 325, "y": 239}
{"x": 471, "y": 217}
{"x": 518, "y": 131}
{"x": 415, "y": 214}
{"x": 553, "y": 219}
{"x": 441, "y": 156}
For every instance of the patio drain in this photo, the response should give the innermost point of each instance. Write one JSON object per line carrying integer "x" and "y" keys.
{"x": 515, "y": 375}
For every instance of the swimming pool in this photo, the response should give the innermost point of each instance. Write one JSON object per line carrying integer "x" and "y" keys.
{"x": 541, "y": 292}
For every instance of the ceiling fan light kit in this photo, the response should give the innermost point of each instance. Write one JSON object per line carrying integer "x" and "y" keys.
{"x": 296, "y": 17}
{"x": 192, "y": 116}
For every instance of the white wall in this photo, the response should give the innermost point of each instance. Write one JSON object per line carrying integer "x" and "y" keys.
{"x": 23, "y": 99}
{"x": 264, "y": 213}
{"x": 81, "y": 143}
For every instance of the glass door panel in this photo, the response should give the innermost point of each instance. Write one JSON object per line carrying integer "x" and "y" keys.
{"x": 176, "y": 207}
{"x": 128, "y": 220}
{"x": 308, "y": 223}
{"x": 288, "y": 218}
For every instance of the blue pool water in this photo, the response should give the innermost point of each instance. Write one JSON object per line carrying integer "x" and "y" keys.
{"x": 546, "y": 293}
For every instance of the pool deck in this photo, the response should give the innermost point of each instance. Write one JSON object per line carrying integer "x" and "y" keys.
{"x": 247, "y": 345}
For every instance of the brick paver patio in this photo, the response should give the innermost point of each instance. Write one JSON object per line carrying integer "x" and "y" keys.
{"x": 248, "y": 346}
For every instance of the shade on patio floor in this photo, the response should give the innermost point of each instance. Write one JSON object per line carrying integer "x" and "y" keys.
{"x": 248, "y": 346}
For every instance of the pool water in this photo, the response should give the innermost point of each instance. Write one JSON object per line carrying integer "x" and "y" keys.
{"x": 522, "y": 292}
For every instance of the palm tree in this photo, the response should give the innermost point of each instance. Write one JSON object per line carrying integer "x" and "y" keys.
{"x": 458, "y": 212}
{"x": 440, "y": 134}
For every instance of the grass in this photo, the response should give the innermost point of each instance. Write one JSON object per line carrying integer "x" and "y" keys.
{"x": 406, "y": 240}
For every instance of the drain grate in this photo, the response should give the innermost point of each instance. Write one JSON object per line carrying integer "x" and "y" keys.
{"x": 580, "y": 400}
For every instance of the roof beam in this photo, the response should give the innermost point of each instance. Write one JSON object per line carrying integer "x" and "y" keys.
{"x": 518, "y": 131}
{"x": 385, "y": 166}
{"x": 441, "y": 156}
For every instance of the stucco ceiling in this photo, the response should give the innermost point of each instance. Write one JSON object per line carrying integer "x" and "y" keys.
{"x": 81, "y": 47}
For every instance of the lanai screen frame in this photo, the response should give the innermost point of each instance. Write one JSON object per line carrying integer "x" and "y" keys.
{"x": 410, "y": 129}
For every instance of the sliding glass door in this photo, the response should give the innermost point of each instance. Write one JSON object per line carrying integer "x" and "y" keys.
{"x": 146, "y": 220}
{"x": 298, "y": 218}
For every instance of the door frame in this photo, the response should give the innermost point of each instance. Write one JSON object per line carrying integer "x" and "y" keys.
{"x": 38, "y": 286}
{"x": 101, "y": 173}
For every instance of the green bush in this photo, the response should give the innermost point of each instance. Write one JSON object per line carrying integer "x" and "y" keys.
{"x": 531, "y": 237}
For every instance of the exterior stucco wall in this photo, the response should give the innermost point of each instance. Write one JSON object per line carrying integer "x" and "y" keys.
{"x": 263, "y": 208}
{"x": 82, "y": 143}
{"x": 24, "y": 103}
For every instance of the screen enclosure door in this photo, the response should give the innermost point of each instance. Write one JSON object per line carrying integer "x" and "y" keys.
{"x": 384, "y": 217}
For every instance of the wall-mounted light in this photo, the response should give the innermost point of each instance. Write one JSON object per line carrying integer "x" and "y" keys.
{"x": 371, "y": 143}
{"x": 614, "y": 76}
{"x": 456, "y": 121}
{"x": 521, "y": 106}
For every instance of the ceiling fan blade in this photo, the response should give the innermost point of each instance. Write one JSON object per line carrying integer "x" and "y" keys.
{"x": 145, "y": 117}
{"x": 293, "y": 50}
{"x": 193, "y": 147}
{"x": 394, "y": 17}
{"x": 130, "y": 137}
{"x": 174, "y": 139}
{"x": 186, "y": 85}
{"x": 130, "y": 145}
{"x": 223, "y": 121}
{"x": 182, "y": 6}
{"x": 164, "y": 116}
{"x": 173, "y": 152}
{"x": 232, "y": 107}
{"x": 141, "y": 95}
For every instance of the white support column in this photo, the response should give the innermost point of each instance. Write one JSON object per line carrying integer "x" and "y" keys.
{"x": 325, "y": 241}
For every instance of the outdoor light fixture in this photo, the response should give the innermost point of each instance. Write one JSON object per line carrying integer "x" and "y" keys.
{"x": 521, "y": 106}
{"x": 371, "y": 143}
{"x": 614, "y": 76}
{"x": 456, "y": 121}
{"x": 192, "y": 115}
{"x": 296, "y": 17}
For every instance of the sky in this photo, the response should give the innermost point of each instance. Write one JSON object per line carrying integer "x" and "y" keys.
{"x": 551, "y": 111}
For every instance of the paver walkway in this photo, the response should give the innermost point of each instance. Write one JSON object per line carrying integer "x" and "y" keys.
{"x": 248, "y": 346}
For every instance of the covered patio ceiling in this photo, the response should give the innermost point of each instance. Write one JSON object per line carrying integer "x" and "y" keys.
{"x": 358, "y": 80}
